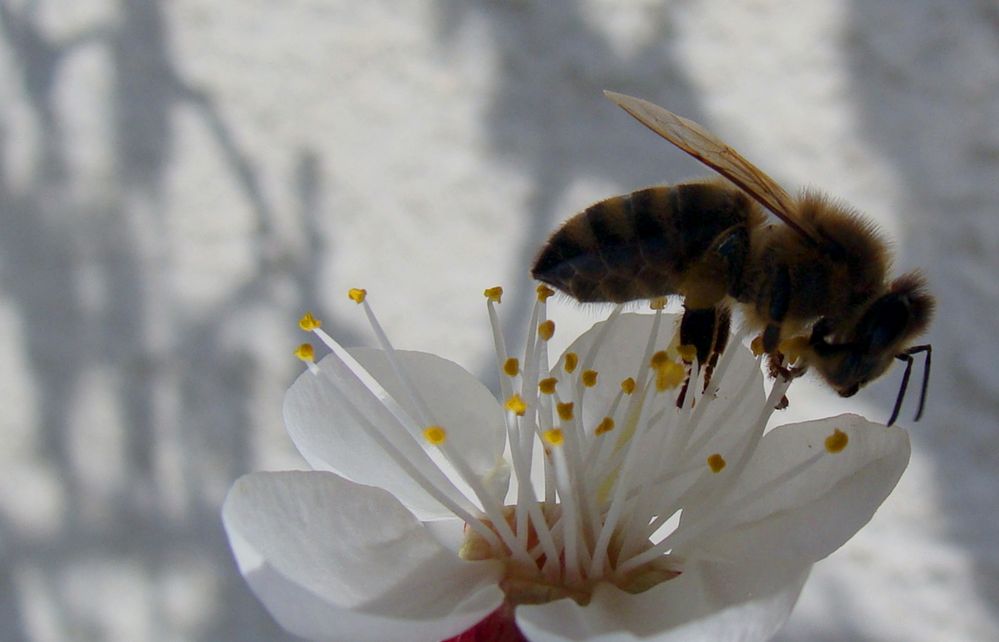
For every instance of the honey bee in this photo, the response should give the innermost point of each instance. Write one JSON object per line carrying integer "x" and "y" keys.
{"x": 817, "y": 280}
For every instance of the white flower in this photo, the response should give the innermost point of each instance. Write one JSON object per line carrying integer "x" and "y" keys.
{"x": 586, "y": 504}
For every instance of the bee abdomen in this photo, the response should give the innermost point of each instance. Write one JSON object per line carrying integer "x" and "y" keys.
{"x": 639, "y": 245}
{"x": 611, "y": 251}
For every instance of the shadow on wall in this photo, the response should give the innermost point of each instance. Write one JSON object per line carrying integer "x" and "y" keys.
{"x": 548, "y": 118}
{"x": 926, "y": 78}
{"x": 136, "y": 335}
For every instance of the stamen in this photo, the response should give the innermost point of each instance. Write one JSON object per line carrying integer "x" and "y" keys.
{"x": 589, "y": 378}
{"x": 547, "y": 386}
{"x": 309, "y": 322}
{"x": 716, "y": 463}
{"x": 570, "y": 524}
{"x": 544, "y": 292}
{"x": 423, "y": 414}
{"x": 837, "y": 441}
{"x": 565, "y": 410}
{"x": 511, "y": 367}
{"x": 628, "y": 386}
{"x": 357, "y": 295}
{"x": 659, "y": 359}
{"x": 435, "y": 435}
{"x": 546, "y": 330}
{"x": 516, "y": 405}
{"x": 687, "y": 352}
{"x": 669, "y": 376}
{"x": 494, "y": 294}
{"x": 571, "y": 361}
{"x": 606, "y": 425}
{"x": 307, "y": 353}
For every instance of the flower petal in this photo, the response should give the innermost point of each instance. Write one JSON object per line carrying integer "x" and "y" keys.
{"x": 709, "y": 601}
{"x": 457, "y": 400}
{"x": 326, "y": 413}
{"x": 795, "y": 501}
{"x": 334, "y": 559}
{"x": 620, "y": 354}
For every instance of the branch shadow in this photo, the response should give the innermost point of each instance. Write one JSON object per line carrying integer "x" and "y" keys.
{"x": 135, "y": 333}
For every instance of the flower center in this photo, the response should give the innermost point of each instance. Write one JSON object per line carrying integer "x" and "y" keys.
{"x": 607, "y": 450}
{"x": 531, "y": 584}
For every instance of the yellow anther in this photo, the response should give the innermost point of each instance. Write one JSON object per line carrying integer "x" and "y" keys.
{"x": 657, "y": 303}
{"x": 794, "y": 348}
{"x": 659, "y": 359}
{"x": 756, "y": 345}
{"x": 605, "y": 426}
{"x": 357, "y": 295}
{"x": 687, "y": 352}
{"x": 511, "y": 367}
{"x": 546, "y": 330}
{"x": 544, "y": 292}
{"x": 435, "y": 435}
{"x": 305, "y": 352}
{"x": 516, "y": 405}
{"x": 571, "y": 361}
{"x": 547, "y": 386}
{"x": 589, "y": 378}
{"x": 309, "y": 322}
{"x": 628, "y": 386}
{"x": 493, "y": 294}
{"x": 837, "y": 441}
{"x": 716, "y": 463}
{"x": 553, "y": 437}
{"x": 669, "y": 376}
{"x": 565, "y": 410}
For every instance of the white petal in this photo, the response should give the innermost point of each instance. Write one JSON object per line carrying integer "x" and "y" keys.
{"x": 725, "y": 426}
{"x": 336, "y": 560}
{"x": 620, "y": 355}
{"x": 318, "y": 415}
{"x": 710, "y": 601}
{"x": 457, "y": 400}
{"x": 779, "y": 514}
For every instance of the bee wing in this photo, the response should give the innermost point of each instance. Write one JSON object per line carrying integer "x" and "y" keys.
{"x": 705, "y": 147}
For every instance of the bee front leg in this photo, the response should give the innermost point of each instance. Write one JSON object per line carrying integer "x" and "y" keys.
{"x": 780, "y": 301}
{"x": 777, "y": 367}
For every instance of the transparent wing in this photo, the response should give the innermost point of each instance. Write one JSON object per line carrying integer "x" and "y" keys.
{"x": 705, "y": 147}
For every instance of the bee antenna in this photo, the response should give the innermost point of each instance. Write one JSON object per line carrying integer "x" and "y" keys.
{"x": 907, "y": 357}
{"x": 928, "y": 349}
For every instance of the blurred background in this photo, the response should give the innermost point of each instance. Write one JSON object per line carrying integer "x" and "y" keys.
{"x": 180, "y": 180}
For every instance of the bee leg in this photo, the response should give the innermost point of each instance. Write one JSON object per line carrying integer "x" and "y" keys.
{"x": 907, "y": 357}
{"x": 780, "y": 301}
{"x": 777, "y": 368}
{"x": 723, "y": 324}
{"x": 706, "y": 329}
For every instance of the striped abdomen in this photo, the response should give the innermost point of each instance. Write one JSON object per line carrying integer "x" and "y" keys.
{"x": 689, "y": 239}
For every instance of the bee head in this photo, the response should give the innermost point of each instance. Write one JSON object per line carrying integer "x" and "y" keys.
{"x": 885, "y": 328}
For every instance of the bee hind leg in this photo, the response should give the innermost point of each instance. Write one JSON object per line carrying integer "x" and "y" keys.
{"x": 707, "y": 330}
